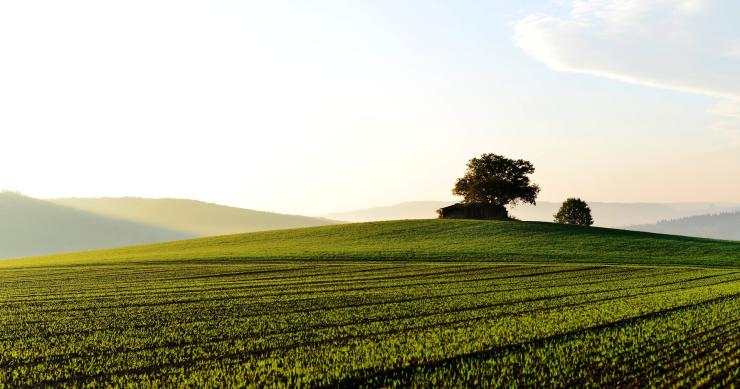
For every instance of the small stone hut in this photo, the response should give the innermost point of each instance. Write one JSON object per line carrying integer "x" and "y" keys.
{"x": 473, "y": 211}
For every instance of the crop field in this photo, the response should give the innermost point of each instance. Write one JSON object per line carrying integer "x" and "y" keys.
{"x": 368, "y": 323}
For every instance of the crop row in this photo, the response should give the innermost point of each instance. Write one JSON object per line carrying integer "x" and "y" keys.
{"x": 294, "y": 323}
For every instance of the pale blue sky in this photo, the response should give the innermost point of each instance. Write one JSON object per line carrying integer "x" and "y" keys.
{"x": 321, "y": 106}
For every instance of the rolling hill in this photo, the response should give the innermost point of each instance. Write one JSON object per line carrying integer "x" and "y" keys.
{"x": 35, "y": 227}
{"x": 31, "y": 227}
{"x": 717, "y": 226}
{"x": 605, "y": 214}
{"x": 453, "y": 240}
{"x": 385, "y": 304}
{"x": 189, "y": 216}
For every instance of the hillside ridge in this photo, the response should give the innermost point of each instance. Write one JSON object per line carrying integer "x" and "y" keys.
{"x": 30, "y": 226}
{"x": 450, "y": 240}
{"x": 194, "y": 217}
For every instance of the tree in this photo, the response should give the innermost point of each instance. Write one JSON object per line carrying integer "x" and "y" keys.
{"x": 496, "y": 180}
{"x": 574, "y": 211}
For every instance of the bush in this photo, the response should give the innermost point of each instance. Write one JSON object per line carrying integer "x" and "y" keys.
{"x": 574, "y": 211}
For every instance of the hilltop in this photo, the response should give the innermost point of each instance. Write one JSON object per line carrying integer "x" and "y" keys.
{"x": 452, "y": 240}
{"x": 190, "y": 216}
{"x": 35, "y": 227}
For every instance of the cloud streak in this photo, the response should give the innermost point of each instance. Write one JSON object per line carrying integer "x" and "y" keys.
{"x": 683, "y": 45}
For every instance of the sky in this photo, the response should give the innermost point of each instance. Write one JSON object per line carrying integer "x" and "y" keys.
{"x": 313, "y": 107}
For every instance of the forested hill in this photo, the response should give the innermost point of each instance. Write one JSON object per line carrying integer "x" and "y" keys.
{"x": 717, "y": 226}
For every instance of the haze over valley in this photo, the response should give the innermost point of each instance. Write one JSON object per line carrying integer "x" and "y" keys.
{"x": 30, "y": 227}
{"x": 605, "y": 214}
{"x": 35, "y": 227}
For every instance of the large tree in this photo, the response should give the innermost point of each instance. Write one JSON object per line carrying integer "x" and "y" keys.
{"x": 496, "y": 180}
{"x": 574, "y": 211}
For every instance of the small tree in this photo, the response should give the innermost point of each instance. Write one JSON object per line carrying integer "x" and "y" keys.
{"x": 574, "y": 211}
{"x": 496, "y": 180}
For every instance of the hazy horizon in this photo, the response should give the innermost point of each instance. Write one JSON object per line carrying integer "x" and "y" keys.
{"x": 33, "y": 227}
{"x": 334, "y": 106}
{"x": 514, "y": 208}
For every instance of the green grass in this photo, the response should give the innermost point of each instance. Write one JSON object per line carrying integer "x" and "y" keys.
{"x": 285, "y": 323}
{"x": 456, "y": 240}
{"x": 410, "y": 303}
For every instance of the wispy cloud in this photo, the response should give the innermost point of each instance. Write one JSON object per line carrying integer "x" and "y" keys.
{"x": 684, "y": 45}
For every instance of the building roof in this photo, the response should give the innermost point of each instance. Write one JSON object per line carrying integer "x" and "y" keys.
{"x": 453, "y": 206}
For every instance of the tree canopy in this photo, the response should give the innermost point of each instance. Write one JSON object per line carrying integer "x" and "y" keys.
{"x": 496, "y": 180}
{"x": 574, "y": 211}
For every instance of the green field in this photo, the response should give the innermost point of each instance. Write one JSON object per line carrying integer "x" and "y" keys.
{"x": 451, "y": 240}
{"x": 425, "y": 303}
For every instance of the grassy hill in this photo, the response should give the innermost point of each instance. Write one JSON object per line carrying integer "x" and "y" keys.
{"x": 454, "y": 240}
{"x": 190, "y": 216}
{"x": 344, "y": 306}
{"x": 35, "y": 227}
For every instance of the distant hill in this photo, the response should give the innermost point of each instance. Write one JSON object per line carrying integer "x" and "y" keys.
{"x": 718, "y": 226}
{"x": 605, "y": 214}
{"x": 624, "y": 214}
{"x": 189, "y": 216}
{"x": 35, "y": 227}
{"x": 401, "y": 211}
